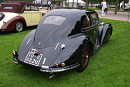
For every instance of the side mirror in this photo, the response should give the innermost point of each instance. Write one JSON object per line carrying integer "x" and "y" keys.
{"x": 101, "y": 23}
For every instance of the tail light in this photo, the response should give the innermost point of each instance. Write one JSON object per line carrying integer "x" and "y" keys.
{"x": 34, "y": 50}
{"x": 62, "y": 64}
{"x": 14, "y": 53}
{"x": 55, "y": 65}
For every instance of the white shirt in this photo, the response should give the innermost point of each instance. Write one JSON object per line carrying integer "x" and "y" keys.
{"x": 49, "y": 2}
{"x": 104, "y": 4}
{"x": 38, "y": 1}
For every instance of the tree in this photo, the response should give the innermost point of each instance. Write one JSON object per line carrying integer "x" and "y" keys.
{"x": 77, "y": 4}
{"x": 86, "y": 5}
{"x": 65, "y": 3}
{"x": 68, "y": 3}
{"x": 72, "y": 3}
{"x": 116, "y": 9}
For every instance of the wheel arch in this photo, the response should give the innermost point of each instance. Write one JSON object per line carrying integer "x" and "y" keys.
{"x": 91, "y": 48}
{"x": 10, "y": 25}
{"x": 111, "y": 29}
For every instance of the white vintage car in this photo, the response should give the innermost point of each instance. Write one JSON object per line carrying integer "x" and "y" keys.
{"x": 17, "y": 15}
{"x": 126, "y": 6}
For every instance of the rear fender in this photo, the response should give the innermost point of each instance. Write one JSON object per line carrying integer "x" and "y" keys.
{"x": 71, "y": 47}
{"x": 104, "y": 31}
{"x": 26, "y": 41}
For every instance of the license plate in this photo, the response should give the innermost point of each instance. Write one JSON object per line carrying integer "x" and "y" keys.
{"x": 33, "y": 59}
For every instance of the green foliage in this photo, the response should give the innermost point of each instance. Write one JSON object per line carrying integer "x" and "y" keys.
{"x": 16, "y": 0}
{"x": 108, "y": 67}
{"x": 23, "y": 0}
{"x": 98, "y": 1}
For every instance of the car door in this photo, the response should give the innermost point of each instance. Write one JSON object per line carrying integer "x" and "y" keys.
{"x": 93, "y": 19}
{"x": 27, "y": 15}
{"x": 36, "y": 15}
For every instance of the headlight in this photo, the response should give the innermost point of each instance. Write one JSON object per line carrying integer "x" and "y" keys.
{"x": 1, "y": 16}
{"x": 62, "y": 64}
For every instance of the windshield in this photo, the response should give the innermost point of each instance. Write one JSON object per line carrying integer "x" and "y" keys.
{"x": 55, "y": 20}
{"x": 8, "y": 8}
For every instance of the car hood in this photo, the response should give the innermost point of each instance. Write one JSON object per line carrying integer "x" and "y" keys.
{"x": 7, "y": 16}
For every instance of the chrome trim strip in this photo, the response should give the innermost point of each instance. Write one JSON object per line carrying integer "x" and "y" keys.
{"x": 60, "y": 70}
{"x": 56, "y": 46}
{"x": 29, "y": 40}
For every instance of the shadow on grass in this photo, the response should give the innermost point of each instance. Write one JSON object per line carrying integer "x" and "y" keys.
{"x": 33, "y": 72}
{"x": 30, "y": 28}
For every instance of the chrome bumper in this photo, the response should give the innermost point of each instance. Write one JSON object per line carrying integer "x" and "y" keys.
{"x": 53, "y": 70}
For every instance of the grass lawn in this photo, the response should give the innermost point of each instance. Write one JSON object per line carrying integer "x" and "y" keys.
{"x": 108, "y": 67}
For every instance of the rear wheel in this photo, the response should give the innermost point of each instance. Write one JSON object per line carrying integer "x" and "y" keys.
{"x": 84, "y": 59}
{"x": 19, "y": 26}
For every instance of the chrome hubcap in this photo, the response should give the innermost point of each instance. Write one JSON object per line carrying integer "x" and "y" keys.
{"x": 19, "y": 26}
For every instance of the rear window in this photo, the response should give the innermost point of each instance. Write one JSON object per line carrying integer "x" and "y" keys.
{"x": 55, "y": 20}
{"x": 11, "y": 8}
{"x": 8, "y": 7}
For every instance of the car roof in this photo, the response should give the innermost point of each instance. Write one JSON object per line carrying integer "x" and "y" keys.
{"x": 17, "y": 6}
{"x": 49, "y": 32}
{"x": 69, "y": 14}
{"x": 70, "y": 11}
{"x": 22, "y": 3}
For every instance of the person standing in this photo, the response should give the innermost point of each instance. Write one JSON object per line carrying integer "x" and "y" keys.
{"x": 49, "y": 5}
{"x": 58, "y": 4}
{"x": 104, "y": 7}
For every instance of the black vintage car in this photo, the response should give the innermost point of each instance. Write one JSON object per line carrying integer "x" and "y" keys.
{"x": 65, "y": 39}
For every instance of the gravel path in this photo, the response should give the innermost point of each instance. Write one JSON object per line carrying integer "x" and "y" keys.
{"x": 122, "y": 16}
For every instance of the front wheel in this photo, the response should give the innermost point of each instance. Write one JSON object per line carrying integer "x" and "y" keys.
{"x": 19, "y": 26}
{"x": 84, "y": 59}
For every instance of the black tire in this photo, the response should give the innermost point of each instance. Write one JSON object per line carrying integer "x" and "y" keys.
{"x": 19, "y": 26}
{"x": 84, "y": 58}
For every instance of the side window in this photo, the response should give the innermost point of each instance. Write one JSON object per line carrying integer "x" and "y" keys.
{"x": 86, "y": 22}
{"x": 77, "y": 29}
{"x": 80, "y": 25}
{"x": 34, "y": 8}
{"x": 27, "y": 8}
{"x": 94, "y": 19}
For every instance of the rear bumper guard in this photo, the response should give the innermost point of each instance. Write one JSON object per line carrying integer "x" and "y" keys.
{"x": 15, "y": 60}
